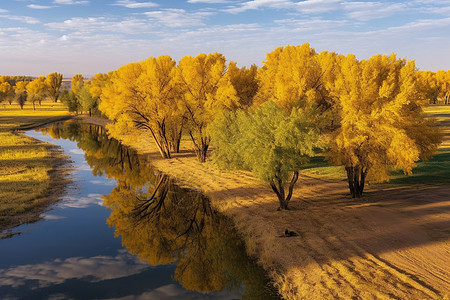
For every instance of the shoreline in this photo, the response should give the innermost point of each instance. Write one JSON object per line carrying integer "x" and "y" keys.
{"x": 58, "y": 177}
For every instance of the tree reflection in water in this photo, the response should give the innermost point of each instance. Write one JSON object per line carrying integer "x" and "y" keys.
{"x": 163, "y": 223}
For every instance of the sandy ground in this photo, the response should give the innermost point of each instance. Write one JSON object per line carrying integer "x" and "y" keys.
{"x": 392, "y": 244}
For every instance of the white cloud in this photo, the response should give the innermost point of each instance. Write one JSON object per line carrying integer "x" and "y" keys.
{"x": 318, "y": 6}
{"x": 208, "y": 1}
{"x": 70, "y": 2}
{"x": 259, "y": 4}
{"x": 365, "y": 11}
{"x": 82, "y": 202}
{"x": 97, "y": 268}
{"x": 178, "y": 17}
{"x": 3, "y": 11}
{"x": 134, "y": 4}
{"x": 24, "y": 19}
{"x": 101, "y": 24}
{"x": 36, "y": 6}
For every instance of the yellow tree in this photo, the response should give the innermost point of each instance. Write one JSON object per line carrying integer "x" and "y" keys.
{"x": 206, "y": 89}
{"x": 53, "y": 84}
{"x": 294, "y": 75}
{"x": 36, "y": 90}
{"x": 244, "y": 82}
{"x": 20, "y": 91}
{"x": 5, "y": 90}
{"x": 428, "y": 85}
{"x": 381, "y": 124}
{"x": 443, "y": 81}
{"x": 77, "y": 83}
{"x": 141, "y": 97}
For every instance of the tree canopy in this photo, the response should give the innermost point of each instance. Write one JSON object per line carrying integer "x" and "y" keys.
{"x": 381, "y": 123}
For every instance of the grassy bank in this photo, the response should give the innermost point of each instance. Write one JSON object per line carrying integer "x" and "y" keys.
{"x": 28, "y": 179}
{"x": 346, "y": 248}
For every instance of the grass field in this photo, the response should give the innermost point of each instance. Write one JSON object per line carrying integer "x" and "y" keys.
{"x": 27, "y": 180}
{"x": 436, "y": 171}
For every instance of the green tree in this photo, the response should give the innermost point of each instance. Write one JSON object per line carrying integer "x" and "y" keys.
{"x": 85, "y": 99}
{"x": 271, "y": 143}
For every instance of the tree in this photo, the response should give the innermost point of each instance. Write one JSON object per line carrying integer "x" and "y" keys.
{"x": 428, "y": 85}
{"x": 206, "y": 89}
{"x": 5, "y": 91}
{"x": 443, "y": 81}
{"x": 271, "y": 143}
{"x": 36, "y": 90}
{"x": 53, "y": 83}
{"x": 85, "y": 99}
{"x": 70, "y": 100}
{"x": 141, "y": 97}
{"x": 380, "y": 119}
{"x": 77, "y": 83}
{"x": 244, "y": 82}
{"x": 20, "y": 91}
{"x": 294, "y": 74}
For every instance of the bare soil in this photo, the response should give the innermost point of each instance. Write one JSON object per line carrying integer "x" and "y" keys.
{"x": 391, "y": 244}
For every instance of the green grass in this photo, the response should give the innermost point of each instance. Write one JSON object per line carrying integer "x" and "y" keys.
{"x": 436, "y": 171}
{"x": 25, "y": 163}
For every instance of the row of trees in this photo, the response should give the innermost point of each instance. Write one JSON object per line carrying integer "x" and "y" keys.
{"x": 84, "y": 95}
{"x": 436, "y": 86}
{"x": 24, "y": 88}
{"x": 365, "y": 115}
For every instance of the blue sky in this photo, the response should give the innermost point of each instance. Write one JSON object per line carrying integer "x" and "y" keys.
{"x": 91, "y": 36}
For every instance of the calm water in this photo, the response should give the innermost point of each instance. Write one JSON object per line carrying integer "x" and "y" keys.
{"x": 124, "y": 231}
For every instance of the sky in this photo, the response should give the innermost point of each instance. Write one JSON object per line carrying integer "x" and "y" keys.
{"x": 86, "y": 37}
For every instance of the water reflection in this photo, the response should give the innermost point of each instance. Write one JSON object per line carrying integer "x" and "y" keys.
{"x": 162, "y": 223}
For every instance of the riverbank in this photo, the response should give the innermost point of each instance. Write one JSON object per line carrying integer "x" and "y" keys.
{"x": 392, "y": 244}
{"x": 32, "y": 173}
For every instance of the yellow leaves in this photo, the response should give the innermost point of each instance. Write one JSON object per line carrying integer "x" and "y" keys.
{"x": 290, "y": 74}
{"x": 377, "y": 102}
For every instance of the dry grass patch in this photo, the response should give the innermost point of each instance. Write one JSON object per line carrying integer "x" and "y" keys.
{"x": 28, "y": 180}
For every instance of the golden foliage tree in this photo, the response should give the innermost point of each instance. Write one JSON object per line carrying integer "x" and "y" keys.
{"x": 245, "y": 83}
{"x": 381, "y": 124}
{"x": 36, "y": 90}
{"x": 294, "y": 75}
{"x": 20, "y": 92}
{"x": 5, "y": 90}
{"x": 206, "y": 89}
{"x": 443, "y": 81}
{"x": 141, "y": 97}
{"x": 77, "y": 83}
{"x": 53, "y": 83}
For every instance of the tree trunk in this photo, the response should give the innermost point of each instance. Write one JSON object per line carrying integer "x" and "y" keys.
{"x": 278, "y": 188}
{"x": 201, "y": 148}
{"x": 356, "y": 177}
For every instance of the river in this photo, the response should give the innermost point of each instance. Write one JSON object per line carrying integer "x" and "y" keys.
{"x": 125, "y": 231}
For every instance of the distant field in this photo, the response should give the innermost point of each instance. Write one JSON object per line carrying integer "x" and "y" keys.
{"x": 26, "y": 165}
